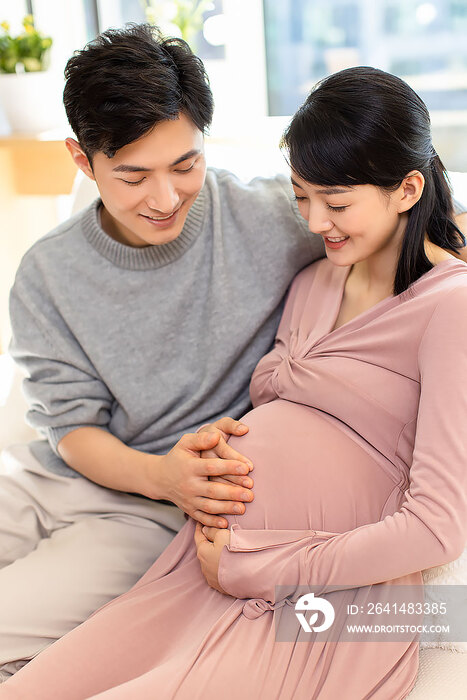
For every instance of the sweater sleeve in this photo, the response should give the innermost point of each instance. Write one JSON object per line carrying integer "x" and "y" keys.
{"x": 62, "y": 388}
{"x": 430, "y": 527}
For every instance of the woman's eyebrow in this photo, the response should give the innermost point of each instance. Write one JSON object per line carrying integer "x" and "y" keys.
{"x": 295, "y": 184}
{"x": 334, "y": 190}
{"x": 326, "y": 190}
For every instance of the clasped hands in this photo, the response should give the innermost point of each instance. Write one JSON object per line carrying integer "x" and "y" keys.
{"x": 206, "y": 477}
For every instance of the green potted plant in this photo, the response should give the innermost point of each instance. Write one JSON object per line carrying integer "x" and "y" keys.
{"x": 28, "y": 52}
{"x": 27, "y": 88}
{"x": 182, "y": 18}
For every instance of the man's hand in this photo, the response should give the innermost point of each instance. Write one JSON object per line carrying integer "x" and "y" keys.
{"x": 210, "y": 542}
{"x": 225, "y": 427}
{"x": 184, "y": 478}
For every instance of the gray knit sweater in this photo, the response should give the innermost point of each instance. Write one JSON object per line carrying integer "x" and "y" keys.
{"x": 150, "y": 343}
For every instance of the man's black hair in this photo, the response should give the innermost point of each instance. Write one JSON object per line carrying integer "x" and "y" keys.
{"x": 126, "y": 81}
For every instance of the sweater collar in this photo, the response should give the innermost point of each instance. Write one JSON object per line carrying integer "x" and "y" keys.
{"x": 151, "y": 256}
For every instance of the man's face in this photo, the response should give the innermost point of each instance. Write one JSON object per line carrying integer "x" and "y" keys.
{"x": 149, "y": 185}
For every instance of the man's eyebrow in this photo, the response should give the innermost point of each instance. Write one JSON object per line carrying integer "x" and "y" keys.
{"x": 140, "y": 169}
{"x": 185, "y": 156}
{"x": 130, "y": 169}
{"x": 327, "y": 190}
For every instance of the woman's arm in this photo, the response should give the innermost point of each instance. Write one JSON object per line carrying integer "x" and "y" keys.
{"x": 430, "y": 527}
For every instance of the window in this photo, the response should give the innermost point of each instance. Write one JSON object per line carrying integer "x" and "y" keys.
{"x": 116, "y": 13}
{"x": 422, "y": 42}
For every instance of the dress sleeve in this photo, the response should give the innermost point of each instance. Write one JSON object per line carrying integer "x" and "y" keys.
{"x": 62, "y": 388}
{"x": 431, "y": 526}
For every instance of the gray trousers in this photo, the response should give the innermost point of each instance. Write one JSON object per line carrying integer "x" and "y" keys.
{"x": 67, "y": 547}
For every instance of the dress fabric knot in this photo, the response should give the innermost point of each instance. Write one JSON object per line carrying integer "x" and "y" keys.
{"x": 294, "y": 359}
{"x": 255, "y": 607}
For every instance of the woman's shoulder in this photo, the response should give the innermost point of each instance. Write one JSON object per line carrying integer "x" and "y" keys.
{"x": 320, "y": 273}
{"x": 443, "y": 306}
{"x": 444, "y": 289}
{"x": 448, "y": 277}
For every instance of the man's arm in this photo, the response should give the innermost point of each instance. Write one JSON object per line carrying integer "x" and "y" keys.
{"x": 71, "y": 406}
{"x": 180, "y": 476}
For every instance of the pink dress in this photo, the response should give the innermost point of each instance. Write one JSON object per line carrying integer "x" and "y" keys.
{"x": 358, "y": 437}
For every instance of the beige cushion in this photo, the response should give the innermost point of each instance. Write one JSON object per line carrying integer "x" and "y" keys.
{"x": 442, "y": 675}
{"x": 455, "y": 574}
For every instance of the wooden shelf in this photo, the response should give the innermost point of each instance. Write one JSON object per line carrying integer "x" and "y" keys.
{"x": 37, "y": 165}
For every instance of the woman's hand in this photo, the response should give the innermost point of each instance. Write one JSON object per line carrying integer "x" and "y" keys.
{"x": 210, "y": 542}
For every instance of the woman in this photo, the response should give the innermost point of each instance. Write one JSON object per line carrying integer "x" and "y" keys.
{"x": 356, "y": 435}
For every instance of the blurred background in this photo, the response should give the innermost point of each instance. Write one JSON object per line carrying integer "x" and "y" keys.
{"x": 262, "y": 57}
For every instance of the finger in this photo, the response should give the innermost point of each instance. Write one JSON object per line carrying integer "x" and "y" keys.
{"x": 220, "y": 467}
{"x": 208, "y": 454}
{"x": 199, "y": 536}
{"x": 216, "y": 507}
{"x": 245, "y": 481}
{"x": 212, "y": 428}
{"x": 210, "y": 520}
{"x": 225, "y": 451}
{"x": 231, "y": 426}
{"x": 197, "y": 442}
{"x": 223, "y": 479}
{"x": 216, "y": 491}
{"x": 209, "y": 532}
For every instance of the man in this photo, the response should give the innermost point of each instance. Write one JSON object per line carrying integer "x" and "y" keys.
{"x": 136, "y": 322}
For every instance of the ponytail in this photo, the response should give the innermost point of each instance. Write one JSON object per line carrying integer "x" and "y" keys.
{"x": 433, "y": 214}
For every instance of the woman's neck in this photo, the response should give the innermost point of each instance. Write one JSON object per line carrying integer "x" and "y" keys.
{"x": 372, "y": 280}
{"x": 374, "y": 277}
{"x": 435, "y": 254}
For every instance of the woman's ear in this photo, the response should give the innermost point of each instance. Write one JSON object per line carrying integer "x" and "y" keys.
{"x": 79, "y": 157}
{"x": 411, "y": 190}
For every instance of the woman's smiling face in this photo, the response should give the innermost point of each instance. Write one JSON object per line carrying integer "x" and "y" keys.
{"x": 356, "y": 222}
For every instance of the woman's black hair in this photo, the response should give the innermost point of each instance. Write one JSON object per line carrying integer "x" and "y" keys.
{"x": 364, "y": 126}
{"x": 126, "y": 81}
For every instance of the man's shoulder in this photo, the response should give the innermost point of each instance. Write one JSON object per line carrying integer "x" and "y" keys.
{"x": 55, "y": 242}
{"x": 262, "y": 202}
{"x": 267, "y": 186}
{"x": 264, "y": 213}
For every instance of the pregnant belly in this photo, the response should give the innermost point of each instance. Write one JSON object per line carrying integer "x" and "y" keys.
{"x": 310, "y": 474}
